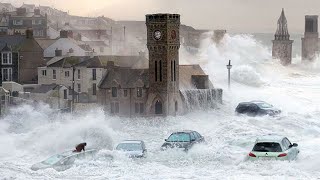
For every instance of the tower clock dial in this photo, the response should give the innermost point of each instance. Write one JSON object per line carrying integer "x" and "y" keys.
{"x": 173, "y": 34}
{"x": 157, "y": 35}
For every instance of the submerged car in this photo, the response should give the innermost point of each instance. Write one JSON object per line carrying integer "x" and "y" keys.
{"x": 64, "y": 160}
{"x": 133, "y": 148}
{"x": 274, "y": 148}
{"x": 183, "y": 139}
{"x": 256, "y": 108}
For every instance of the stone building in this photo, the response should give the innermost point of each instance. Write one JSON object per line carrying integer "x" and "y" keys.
{"x": 282, "y": 45}
{"x": 310, "y": 41}
{"x": 164, "y": 88}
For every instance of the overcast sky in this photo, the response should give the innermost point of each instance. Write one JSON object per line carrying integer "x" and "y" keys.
{"x": 233, "y": 15}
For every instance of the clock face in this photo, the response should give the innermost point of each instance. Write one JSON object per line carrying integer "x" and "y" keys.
{"x": 173, "y": 34}
{"x": 157, "y": 35}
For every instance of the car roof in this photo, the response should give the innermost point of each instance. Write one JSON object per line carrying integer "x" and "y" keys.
{"x": 252, "y": 102}
{"x": 270, "y": 138}
{"x": 184, "y": 131}
{"x": 132, "y": 141}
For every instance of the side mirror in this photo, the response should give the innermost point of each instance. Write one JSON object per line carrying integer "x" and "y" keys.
{"x": 165, "y": 140}
{"x": 192, "y": 140}
{"x": 294, "y": 145}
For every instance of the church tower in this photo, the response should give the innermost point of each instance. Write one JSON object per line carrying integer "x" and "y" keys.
{"x": 282, "y": 45}
{"x": 310, "y": 41}
{"x": 163, "y": 43}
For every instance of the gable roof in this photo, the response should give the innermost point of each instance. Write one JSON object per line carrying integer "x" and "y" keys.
{"x": 185, "y": 75}
{"x": 125, "y": 78}
{"x": 44, "y": 88}
{"x": 45, "y": 43}
{"x": 68, "y": 62}
{"x": 13, "y": 41}
{"x": 121, "y": 61}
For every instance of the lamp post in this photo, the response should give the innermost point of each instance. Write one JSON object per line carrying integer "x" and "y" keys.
{"x": 229, "y": 66}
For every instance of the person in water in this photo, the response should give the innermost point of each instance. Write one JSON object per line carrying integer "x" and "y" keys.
{"x": 80, "y": 147}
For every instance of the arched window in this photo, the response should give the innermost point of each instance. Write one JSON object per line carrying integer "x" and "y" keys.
{"x": 158, "y": 107}
{"x": 176, "y": 106}
{"x": 160, "y": 71}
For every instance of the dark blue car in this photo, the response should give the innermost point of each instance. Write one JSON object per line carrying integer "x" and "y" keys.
{"x": 257, "y": 108}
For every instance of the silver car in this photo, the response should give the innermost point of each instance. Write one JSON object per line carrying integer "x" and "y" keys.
{"x": 274, "y": 148}
{"x": 133, "y": 148}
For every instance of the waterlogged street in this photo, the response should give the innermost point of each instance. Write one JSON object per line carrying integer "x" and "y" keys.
{"x": 31, "y": 134}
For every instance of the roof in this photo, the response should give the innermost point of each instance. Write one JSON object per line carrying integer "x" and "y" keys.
{"x": 14, "y": 41}
{"x": 131, "y": 141}
{"x": 45, "y": 43}
{"x": 67, "y": 62}
{"x": 270, "y": 138}
{"x": 185, "y": 75}
{"x": 44, "y": 88}
{"x": 125, "y": 78}
{"x": 185, "y": 131}
{"x": 121, "y": 61}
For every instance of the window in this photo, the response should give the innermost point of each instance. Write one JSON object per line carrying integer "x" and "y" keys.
{"x": 94, "y": 74}
{"x": 115, "y": 107}
{"x": 65, "y": 94}
{"x": 174, "y": 71}
{"x": 94, "y": 89}
{"x": 139, "y": 92}
{"x": 79, "y": 88}
{"x": 139, "y": 108}
{"x": 54, "y": 74}
{"x": 114, "y": 92}
{"x": 44, "y": 72}
{"x": 66, "y": 73}
{"x": 193, "y": 137}
{"x": 38, "y": 33}
{"x": 267, "y": 147}
{"x": 17, "y": 22}
{"x": 6, "y": 58}
{"x": 6, "y": 74}
{"x": 79, "y": 75}
{"x": 160, "y": 71}
{"x": 125, "y": 93}
{"x": 36, "y": 21}
{"x": 156, "y": 71}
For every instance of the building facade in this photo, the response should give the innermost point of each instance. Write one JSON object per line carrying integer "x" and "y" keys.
{"x": 310, "y": 41}
{"x": 22, "y": 20}
{"x": 282, "y": 45}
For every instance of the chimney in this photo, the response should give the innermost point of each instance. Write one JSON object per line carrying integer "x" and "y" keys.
{"x": 21, "y": 11}
{"x": 29, "y": 34}
{"x": 63, "y": 34}
{"x": 37, "y": 12}
{"x": 70, "y": 34}
{"x": 58, "y": 52}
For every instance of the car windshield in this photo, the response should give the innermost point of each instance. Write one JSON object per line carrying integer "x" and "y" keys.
{"x": 267, "y": 147}
{"x": 179, "y": 137}
{"x": 53, "y": 159}
{"x": 129, "y": 147}
{"x": 264, "y": 105}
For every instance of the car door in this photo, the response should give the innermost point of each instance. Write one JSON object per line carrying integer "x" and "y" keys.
{"x": 294, "y": 150}
{"x": 193, "y": 138}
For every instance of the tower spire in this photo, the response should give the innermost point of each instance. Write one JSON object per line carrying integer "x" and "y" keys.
{"x": 282, "y": 29}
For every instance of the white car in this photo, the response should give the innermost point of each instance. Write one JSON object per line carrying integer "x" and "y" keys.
{"x": 133, "y": 148}
{"x": 273, "y": 148}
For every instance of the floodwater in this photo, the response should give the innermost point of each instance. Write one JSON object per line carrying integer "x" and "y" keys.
{"x": 31, "y": 134}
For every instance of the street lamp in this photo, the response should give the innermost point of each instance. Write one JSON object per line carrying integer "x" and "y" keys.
{"x": 229, "y": 66}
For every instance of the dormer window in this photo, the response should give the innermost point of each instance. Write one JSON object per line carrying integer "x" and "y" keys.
{"x": 6, "y": 58}
{"x": 36, "y": 21}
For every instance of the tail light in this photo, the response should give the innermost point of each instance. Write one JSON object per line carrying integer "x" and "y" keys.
{"x": 252, "y": 155}
{"x": 282, "y": 155}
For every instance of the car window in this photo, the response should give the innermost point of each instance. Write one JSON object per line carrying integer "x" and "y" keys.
{"x": 129, "y": 146}
{"x": 267, "y": 147}
{"x": 193, "y": 137}
{"x": 197, "y": 135}
{"x": 285, "y": 144}
{"x": 264, "y": 105}
{"x": 179, "y": 137}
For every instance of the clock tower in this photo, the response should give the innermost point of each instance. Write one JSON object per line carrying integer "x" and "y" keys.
{"x": 163, "y": 43}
